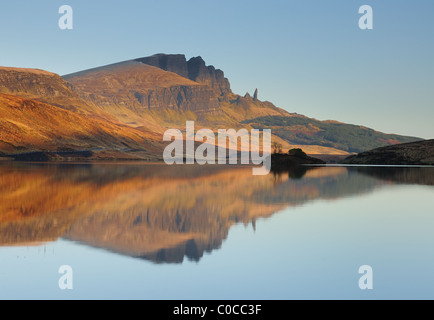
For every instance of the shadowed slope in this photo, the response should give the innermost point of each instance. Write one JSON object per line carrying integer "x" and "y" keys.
{"x": 416, "y": 153}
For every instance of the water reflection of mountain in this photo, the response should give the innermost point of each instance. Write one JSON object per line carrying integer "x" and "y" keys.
{"x": 154, "y": 212}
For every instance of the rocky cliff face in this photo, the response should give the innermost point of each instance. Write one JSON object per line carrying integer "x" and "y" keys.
{"x": 214, "y": 78}
{"x": 192, "y": 98}
{"x": 175, "y": 63}
{"x": 132, "y": 90}
{"x": 195, "y": 69}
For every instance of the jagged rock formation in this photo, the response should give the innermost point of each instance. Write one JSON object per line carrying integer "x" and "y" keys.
{"x": 255, "y": 95}
{"x": 194, "y": 69}
{"x": 175, "y": 63}
{"x": 214, "y": 78}
{"x": 247, "y": 96}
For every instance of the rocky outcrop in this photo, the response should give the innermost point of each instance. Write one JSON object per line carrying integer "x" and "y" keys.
{"x": 193, "y": 250}
{"x": 194, "y": 69}
{"x": 214, "y": 78}
{"x": 247, "y": 96}
{"x": 175, "y": 63}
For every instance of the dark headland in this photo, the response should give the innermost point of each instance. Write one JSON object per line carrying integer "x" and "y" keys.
{"x": 415, "y": 153}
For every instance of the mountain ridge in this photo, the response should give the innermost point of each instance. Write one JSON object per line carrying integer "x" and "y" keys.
{"x": 146, "y": 96}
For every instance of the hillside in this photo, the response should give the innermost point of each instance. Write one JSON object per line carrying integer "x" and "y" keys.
{"x": 29, "y": 125}
{"x": 416, "y": 153}
{"x": 301, "y": 130}
{"x": 45, "y": 87}
{"x": 165, "y": 91}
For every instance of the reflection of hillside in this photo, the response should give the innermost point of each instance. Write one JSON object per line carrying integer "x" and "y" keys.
{"x": 154, "y": 212}
{"x": 399, "y": 175}
{"x": 318, "y": 183}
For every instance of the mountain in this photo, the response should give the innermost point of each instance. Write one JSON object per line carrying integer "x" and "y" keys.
{"x": 39, "y": 112}
{"x": 141, "y": 95}
{"x": 166, "y": 91}
{"x": 125, "y": 108}
{"x": 416, "y": 153}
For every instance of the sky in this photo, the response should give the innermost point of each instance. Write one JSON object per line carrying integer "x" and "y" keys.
{"x": 305, "y": 56}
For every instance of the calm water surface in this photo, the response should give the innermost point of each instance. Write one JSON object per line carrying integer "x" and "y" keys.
{"x": 135, "y": 231}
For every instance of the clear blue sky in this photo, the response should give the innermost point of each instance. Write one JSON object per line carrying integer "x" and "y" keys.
{"x": 306, "y": 56}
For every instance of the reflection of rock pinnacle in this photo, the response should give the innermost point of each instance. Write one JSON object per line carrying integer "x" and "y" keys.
{"x": 254, "y": 224}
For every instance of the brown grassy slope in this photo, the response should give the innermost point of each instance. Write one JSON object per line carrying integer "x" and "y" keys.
{"x": 28, "y": 125}
{"x": 118, "y": 94}
{"x": 129, "y": 74}
{"x": 45, "y": 87}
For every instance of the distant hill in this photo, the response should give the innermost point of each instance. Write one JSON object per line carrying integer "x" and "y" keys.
{"x": 301, "y": 130}
{"x": 416, "y": 153}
